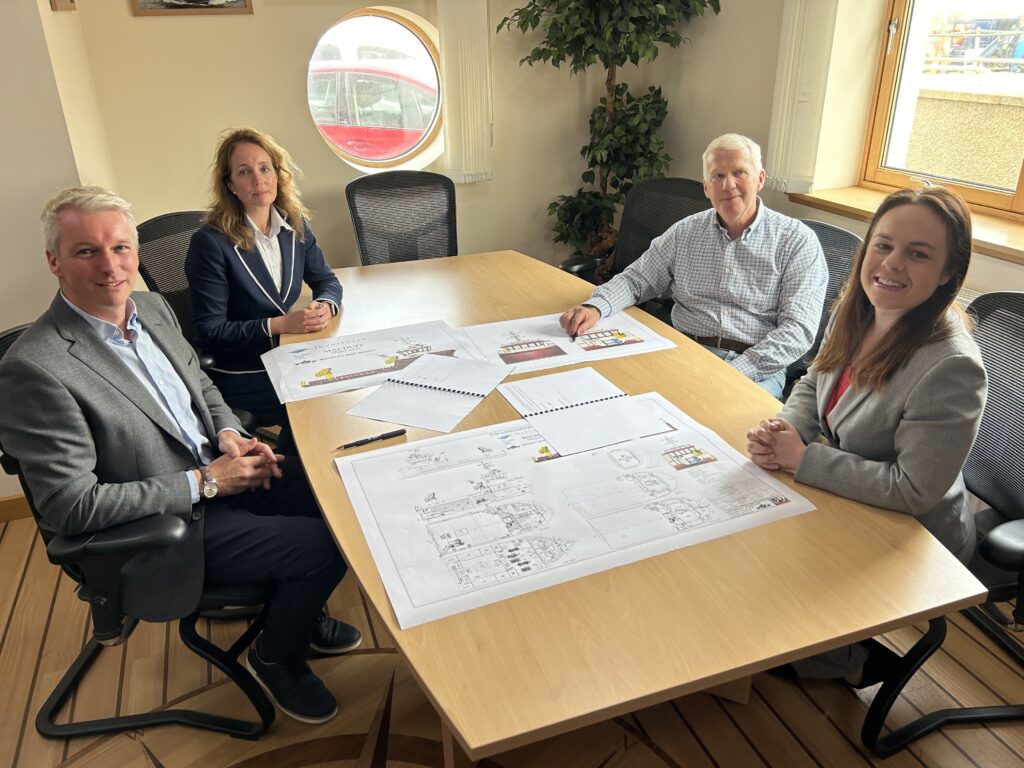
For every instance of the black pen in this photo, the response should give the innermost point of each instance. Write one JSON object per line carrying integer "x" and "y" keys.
{"x": 368, "y": 440}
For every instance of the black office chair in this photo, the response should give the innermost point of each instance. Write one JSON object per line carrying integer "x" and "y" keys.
{"x": 994, "y": 472}
{"x": 95, "y": 561}
{"x": 839, "y": 247}
{"x": 403, "y": 216}
{"x": 652, "y": 206}
{"x": 163, "y": 245}
{"x": 995, "y": 468}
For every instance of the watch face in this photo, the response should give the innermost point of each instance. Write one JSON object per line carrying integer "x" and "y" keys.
{"x": 209, "y": 489}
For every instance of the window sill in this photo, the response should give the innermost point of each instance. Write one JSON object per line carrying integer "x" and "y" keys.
{"x": 993, "y": 235}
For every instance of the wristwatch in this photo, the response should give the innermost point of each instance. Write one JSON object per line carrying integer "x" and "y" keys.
{"x": 210, "y": 487}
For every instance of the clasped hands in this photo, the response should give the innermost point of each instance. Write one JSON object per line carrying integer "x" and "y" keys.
{"x": 245, "y": 463}
{"x": 312, "y": 319}
{"x": 775, "y": 444}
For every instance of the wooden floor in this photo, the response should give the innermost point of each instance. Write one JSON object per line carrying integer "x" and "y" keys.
{"x": 786, "y": 724}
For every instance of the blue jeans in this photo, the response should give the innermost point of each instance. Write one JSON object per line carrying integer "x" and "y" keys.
{"x": 773, "y": 385}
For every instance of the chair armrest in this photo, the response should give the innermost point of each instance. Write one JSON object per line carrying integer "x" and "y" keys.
{"x": 581, "y": 266}
{"x": 1003, "y": 546}
{"x": 206, "y": 359}
{"x": 151, "y": 532}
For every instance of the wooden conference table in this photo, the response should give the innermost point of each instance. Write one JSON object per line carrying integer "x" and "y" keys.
{"x": 554, "y": 660}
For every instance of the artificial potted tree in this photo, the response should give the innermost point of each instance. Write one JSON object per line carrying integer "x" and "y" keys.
{"x": 624, "y": 143}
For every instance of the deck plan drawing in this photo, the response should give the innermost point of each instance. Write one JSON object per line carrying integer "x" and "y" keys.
{"x": 341, "y": 363}
{"x": 535, "y": 343}
{"x": 460, "y": 521}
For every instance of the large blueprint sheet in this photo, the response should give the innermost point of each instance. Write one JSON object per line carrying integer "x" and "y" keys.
{"x": 459, "y": 521}
{"x": 308, "y": 369}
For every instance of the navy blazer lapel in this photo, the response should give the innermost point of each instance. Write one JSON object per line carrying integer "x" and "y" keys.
{"x": 253, "y": 264}
{"x": 86, "y": 347}
{"x": 290, "y": 282}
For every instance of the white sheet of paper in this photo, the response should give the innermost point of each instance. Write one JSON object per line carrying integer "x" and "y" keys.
{"x": 580, "y": 410}
{"x": 557, "y": 391}
{"x": 433, "y": 392}
{"x": 536, "y": 343}
{"x": 305, "y": 370}
{"x": 596, "y": 425}
{"x": 463, "y": 520}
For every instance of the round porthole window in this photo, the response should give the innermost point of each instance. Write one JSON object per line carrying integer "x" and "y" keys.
{"x": 374, "y": 91}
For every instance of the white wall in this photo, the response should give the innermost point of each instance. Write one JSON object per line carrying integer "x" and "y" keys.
{"x": 36, "y": 155}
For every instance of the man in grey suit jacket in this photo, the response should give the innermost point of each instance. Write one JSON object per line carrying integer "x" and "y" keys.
{"x": 104, "y": 405}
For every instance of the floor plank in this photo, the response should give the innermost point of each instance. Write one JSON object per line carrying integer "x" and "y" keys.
{"x": 19, "y": 661}
{"x": 61, "y": 646}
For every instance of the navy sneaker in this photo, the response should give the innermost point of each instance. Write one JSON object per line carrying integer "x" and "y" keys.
{"x": 294, "y": 688}
{"x": 332, "y": 637}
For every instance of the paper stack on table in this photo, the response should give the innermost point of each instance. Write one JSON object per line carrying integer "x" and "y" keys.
{"x": 580, "y": 410}
{"x": 432, "y": 392}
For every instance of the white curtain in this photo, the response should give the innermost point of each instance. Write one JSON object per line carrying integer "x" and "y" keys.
{"x": 800, "y": 79}
{"x": 466, "y": 87}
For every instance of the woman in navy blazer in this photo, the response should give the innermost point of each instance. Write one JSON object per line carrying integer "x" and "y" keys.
{"x": 891, "y": 405}
{"x": 245, "y": 270}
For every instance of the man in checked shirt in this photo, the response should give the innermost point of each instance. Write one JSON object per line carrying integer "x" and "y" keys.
{"x": 747, "y": 282}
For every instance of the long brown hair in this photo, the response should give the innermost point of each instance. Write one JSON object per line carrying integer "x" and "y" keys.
{"x": 227, "y": 213}
{"x": 924, "y": 323}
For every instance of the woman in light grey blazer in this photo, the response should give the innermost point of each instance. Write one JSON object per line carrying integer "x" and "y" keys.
{"x": 891, "y": 404}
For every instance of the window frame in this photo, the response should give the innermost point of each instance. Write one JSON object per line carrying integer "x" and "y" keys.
{"x": 877, "y": 176}
{"x": 431, "y": 136}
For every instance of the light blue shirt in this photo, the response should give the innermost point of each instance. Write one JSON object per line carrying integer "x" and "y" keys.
{"x": 154, "y": 371}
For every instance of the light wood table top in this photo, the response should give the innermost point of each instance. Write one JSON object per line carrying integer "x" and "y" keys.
{"x": 559, "y": 658}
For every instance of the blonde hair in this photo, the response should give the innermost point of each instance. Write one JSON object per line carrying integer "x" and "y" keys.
{"x": 90, "y": 199}
{"x": 227, "y": 214}
{"x": 732, "y": 141}
{"x": 924, "y": 323}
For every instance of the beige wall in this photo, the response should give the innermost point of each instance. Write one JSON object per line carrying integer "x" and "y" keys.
{"x": 167, "y": 86}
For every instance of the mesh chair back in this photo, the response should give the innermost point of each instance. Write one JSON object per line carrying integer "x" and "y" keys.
{"x": 403, "y": 216}
{"x": 839, "y": 247}
{"x": 652, "y": 206}
{"x": 163, "y": 244}
{"x": 995, "y": 467}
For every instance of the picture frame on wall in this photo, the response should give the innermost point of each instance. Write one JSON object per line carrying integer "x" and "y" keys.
{"x": 189, "y": 7}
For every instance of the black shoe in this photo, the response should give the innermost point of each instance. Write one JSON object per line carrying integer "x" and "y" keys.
{"x": 294, "y": 688}
{"x": 880, "y": 665}
{"x": 331, "y": 636}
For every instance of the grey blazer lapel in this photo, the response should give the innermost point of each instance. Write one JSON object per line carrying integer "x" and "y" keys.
{"x": 86, "y": 347}
{"x": 847, "y": 404}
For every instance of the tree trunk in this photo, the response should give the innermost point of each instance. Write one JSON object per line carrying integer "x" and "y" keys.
{"x": 609, "y": 119}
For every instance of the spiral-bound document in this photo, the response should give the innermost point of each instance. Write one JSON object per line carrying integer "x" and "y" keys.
{"x": 580, "y": 410}
{"x": 433, "y": 392}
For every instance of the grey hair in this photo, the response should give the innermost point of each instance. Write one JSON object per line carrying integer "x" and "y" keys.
{"x": 89, "y": 199}
{"x": 733, "y": 141}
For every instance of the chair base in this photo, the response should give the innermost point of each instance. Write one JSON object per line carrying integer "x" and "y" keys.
{"x": 874, "y": 721}
{"x": 224, "y": 660}
{"x": 996, "y": 627}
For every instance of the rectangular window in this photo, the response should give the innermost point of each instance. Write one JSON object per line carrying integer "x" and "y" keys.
{"x": 949, "y": 106}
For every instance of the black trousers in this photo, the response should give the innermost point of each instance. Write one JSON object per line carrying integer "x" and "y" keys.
{"x": 276, "y": 536}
